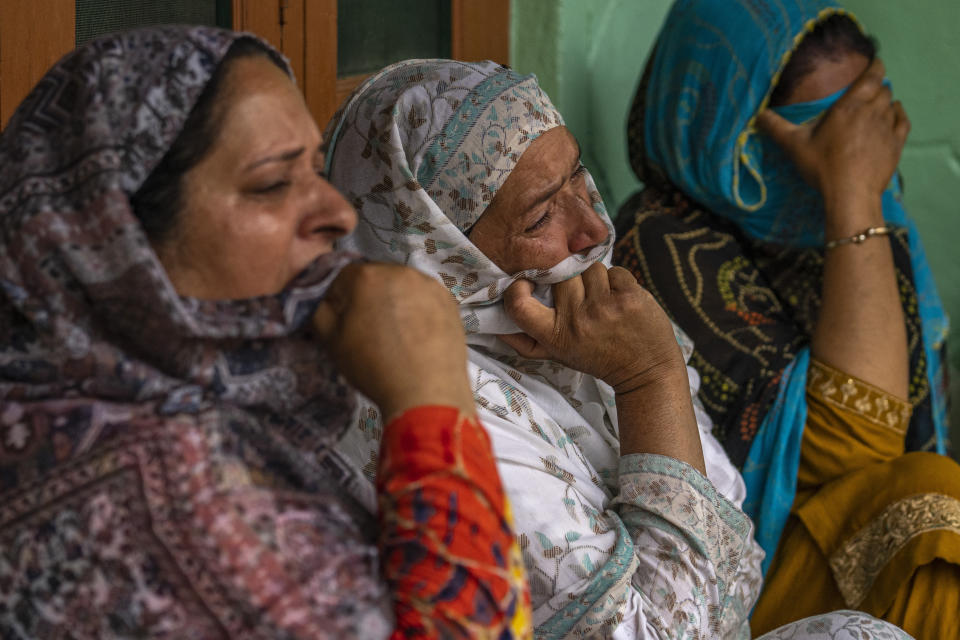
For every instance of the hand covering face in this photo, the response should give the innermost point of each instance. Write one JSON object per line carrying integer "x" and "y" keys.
{"x": 742, "y": 275}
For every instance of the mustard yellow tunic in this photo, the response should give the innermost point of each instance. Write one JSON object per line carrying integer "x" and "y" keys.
{"x": 872, "y": 528}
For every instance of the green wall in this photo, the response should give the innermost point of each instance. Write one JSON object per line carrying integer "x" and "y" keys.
{"x": 588, "y": 55}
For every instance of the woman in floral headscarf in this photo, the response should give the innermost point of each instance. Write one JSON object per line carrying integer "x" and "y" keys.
{"x": 465, "y": 172}
{"x": 816, "y": 321}
{"x": 166, "y": 408}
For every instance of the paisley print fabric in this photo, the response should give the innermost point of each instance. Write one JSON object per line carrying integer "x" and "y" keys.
{"x": 726, "y": 236}
{"x": 165, "y": 467}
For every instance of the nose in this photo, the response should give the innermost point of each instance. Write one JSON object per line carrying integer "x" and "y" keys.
{"x": 589, "y": 231}
{"x": 329, "y": 213}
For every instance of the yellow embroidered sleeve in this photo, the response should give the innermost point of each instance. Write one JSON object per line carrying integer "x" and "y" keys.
{"x": 852, "y": 394}
{"x": 850, "y": 424}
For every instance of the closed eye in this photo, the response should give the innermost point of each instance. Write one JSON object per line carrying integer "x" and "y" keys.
{"x": 540, "y": 223}
{"x": 271, "y": 188}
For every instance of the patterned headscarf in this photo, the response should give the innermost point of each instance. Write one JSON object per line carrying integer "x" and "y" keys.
{"x": 163, "y": 457}
{"x": 715, "y": 66}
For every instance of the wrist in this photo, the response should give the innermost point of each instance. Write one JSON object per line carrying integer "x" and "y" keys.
{"x": 851, "y": 212}
{"x": 671, "y": 372}
{"x": 658, "y": 417}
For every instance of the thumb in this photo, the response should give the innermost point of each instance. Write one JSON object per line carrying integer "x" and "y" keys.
{"x": 326, "y": 318}
{"x": 325, "y": 321}
{"x": 533, "y": 318}
{"x": 525, "y": 346}
{"x": 786, "y": 134}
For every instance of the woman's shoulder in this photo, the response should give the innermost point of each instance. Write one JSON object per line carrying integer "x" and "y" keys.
{"x": 666, "y": 209}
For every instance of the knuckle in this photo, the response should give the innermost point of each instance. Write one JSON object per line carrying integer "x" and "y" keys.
{"x": 413, "y": 283}
{"x": 621, "y": 273}
{"x": 559, "y": 336}
{"x": 410, "y": 280}
{"x": 642, "y": 296}
{"x": 512, "y": 304}
{"x": 644, "y": 302}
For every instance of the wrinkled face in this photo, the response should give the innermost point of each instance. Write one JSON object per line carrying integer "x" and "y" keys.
{"x": 829, "y": 76}
{"x": 543, "y": 212}
{"x": 256, "y": 210}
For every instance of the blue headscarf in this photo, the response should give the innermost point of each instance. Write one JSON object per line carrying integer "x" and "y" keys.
{"x": 715, "y": 66}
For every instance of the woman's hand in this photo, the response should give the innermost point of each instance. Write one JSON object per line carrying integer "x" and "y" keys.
{"x": 607, "y": 325}
{"x": 850, "y": 156}
{"x": 396, "y": 336}
{"x": 853, "y": 150}
{"x": 604, "y": 324}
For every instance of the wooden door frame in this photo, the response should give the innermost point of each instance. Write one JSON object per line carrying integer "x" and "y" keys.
{"x": 306, "y": 32}
{"x": 286, "y": 24}
{"x": 34, "y": 34}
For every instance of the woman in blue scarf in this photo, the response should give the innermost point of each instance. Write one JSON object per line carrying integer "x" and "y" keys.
{"x": 819, "y": 333}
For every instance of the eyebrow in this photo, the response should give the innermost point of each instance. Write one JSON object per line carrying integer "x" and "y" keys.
{"x": 286, "y": 156}
{"x": 554, "y": 186}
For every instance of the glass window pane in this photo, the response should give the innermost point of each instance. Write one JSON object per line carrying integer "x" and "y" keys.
{"x": 373, "y": 33}
{"x": 96, "y": 17}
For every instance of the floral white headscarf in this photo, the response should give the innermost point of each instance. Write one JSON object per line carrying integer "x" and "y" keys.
{"x": 421, "y": 149}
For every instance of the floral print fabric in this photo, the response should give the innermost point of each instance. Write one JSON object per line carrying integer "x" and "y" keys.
{"x": 838, "y": 625}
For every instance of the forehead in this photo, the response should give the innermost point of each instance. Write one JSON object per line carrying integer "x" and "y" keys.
{"x": 829, "y": 75}
{"x": 260, "y": 107}
{"x": 548, "y": 158}
{"x": 556, "y": 141}
{"x": 540, "y": 172}
{"x": 255, "y": 76}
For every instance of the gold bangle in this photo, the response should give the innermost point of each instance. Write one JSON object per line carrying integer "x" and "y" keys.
{"x": 860, "y": 238}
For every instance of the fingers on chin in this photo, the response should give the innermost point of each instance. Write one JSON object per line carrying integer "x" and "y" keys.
{"x": 621, "y": 278}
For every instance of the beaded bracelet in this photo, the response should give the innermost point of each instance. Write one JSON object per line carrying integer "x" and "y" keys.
{"x": 860, "y": 238}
